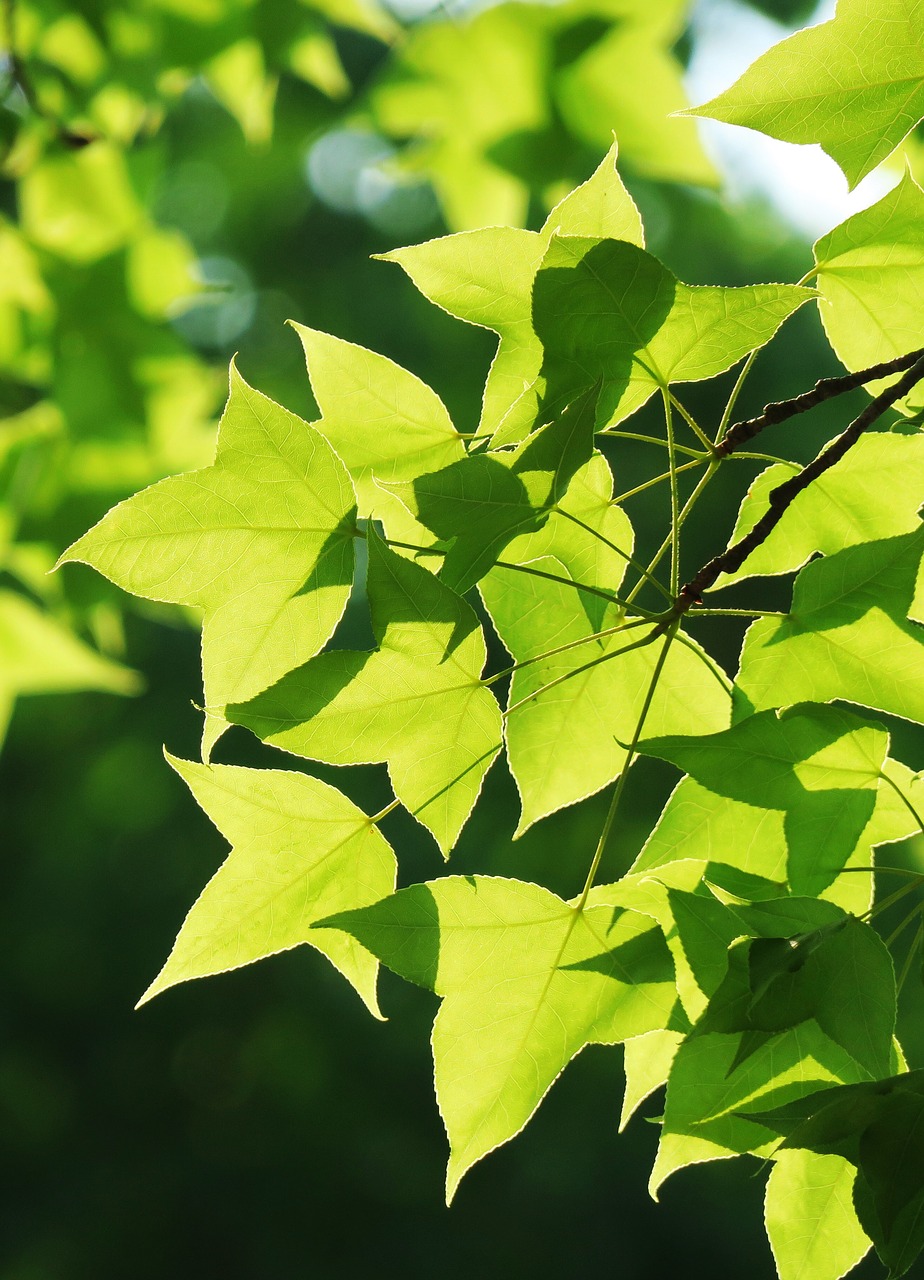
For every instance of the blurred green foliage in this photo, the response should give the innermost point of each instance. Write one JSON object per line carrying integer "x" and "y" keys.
{"x": 179, "y": 178}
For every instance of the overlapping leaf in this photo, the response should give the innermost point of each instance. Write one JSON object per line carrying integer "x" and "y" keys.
{"x": 415, "y": 702}
{"x": 485, "y": 277}
{"x": 854, "y": 84}
{"x": 605, "y": 310}
{"x": 699, "y": 824}
{"x": 810, "y": 1217}
{"x": 277, "y": 493}
{"x": 848, "y": 634}
{"x": 384, "y": 424}
{"x": 842, "y": 508}
{"x": 477, "y": 506}
{"x": 526, "y": 979}
{"x": 878, "y": 1128}
{"x": 565, "y": 744}
{"x": 870, "y": 279}
{"x": 819, "y": 764}
{"x": 300, "y": 851}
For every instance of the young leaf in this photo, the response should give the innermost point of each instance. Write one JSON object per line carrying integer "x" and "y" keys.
{"x": 277, "y": 493}
{"x": 847, "y": 635}
{"x": 526, "y": 980}
{"x": 384, "y": 424}
{"x": 607, "y": 310}
{"x": 300, "y": 851}
{"x": 821, "y": 765}
{"x": 816, "y": 86}
{"x": 810, "y": 1218}
{"x": 870, "y": 280}
{"x": 485, "y": 277}
{"x": 415, "y": 702}
{"x": 840, "y": 509}
{"x": 482, "y": 503}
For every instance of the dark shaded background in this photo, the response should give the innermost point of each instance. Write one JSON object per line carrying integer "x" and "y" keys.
{"x": 261, "y": 1124}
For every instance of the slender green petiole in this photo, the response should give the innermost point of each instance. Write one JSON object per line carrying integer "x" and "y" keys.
{"x": 621, "y": 780}
{"x": 691, "y": 423}
{"x": 564, "y": 648}
{"x": 569, "y": 675}
{"x": 613, "y": 547}
{"x": 649, "y": 484}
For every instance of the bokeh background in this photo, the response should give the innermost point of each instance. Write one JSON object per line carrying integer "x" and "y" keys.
{"x": 259, "y": 1125}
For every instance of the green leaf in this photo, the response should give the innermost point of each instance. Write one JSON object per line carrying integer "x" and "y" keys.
{"x": 300, "y": 851}
{"x": 480, "y": 504}
{"x": 607, "y": 310}
{"x": 854, "y": 84}
{"x": 847, "y": 635}
{"x": 813, "y": 1229}
{"x": 383, "y": 423}
{"x": 564, "y": 745}
{"x": 277, "y": 494}
{"x": 647, "y": 1064}
{"x": 711, "y": 1091}
{"x": 508, "y": 959}
{"x": 40, "y": 655}
{"x": 819, "y": 764}
{"x": 878, "y": 1128}
{"x": 415, "y": 702}
{"x": 698, "y": 824}
{"x": 870, "y": 280}
{"x": 485, "y": 277}
{"x": 839, "y": 509}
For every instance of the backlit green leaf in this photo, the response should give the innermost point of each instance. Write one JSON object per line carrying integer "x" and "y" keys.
{"x": 606, "y": 310}
{"x": 485, "y": 277}
{"x": 821, "y": 765}
{"x": 816, "y": 86}
{"x": 813, "y": 1229}
{"x": 508, "y": 958}
{"x": 708, "y": 1096}
{"x": 383, "y": 423}
{"x": 699, "y": 824}
{"x": 300, "y": 851}
{"x": 277, "y": 494}
{"x": 415, "y": 702}
{"x": 847, "y": 635}
{"x": 839, "y": 509}
{"x": 564, "y": 745}
{"x": 870, "y": 280}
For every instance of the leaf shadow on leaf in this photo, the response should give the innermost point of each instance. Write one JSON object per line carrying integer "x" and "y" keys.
{"x": 644, "y": 958}
{"x": 594, "y": 316}
{"x": 334, "y": 565}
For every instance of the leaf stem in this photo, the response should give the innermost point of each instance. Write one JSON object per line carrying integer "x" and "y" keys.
{"x": 649, "y": 484}
{"x": 691, "y": 423}
{"x": 630, "y": 755}
{"x": 675, "y": 500}
{"x": 699, "y": 454}
{"x": 569, "y": 675}
{"x": 630, "y": 560}
{"x": 563, "y": 648}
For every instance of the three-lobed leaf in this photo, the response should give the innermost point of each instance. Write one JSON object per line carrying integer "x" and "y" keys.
{"x": 300, "y": 851}
{"x": 277, "y": 493}
{"x": 527, "y": 980}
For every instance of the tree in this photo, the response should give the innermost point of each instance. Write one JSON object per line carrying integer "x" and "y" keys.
{"x": 740, "y": 958}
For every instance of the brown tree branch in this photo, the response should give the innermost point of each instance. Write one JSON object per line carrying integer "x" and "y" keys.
{"x": 824, "y": 389}
{"x": 780, "y": 498}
